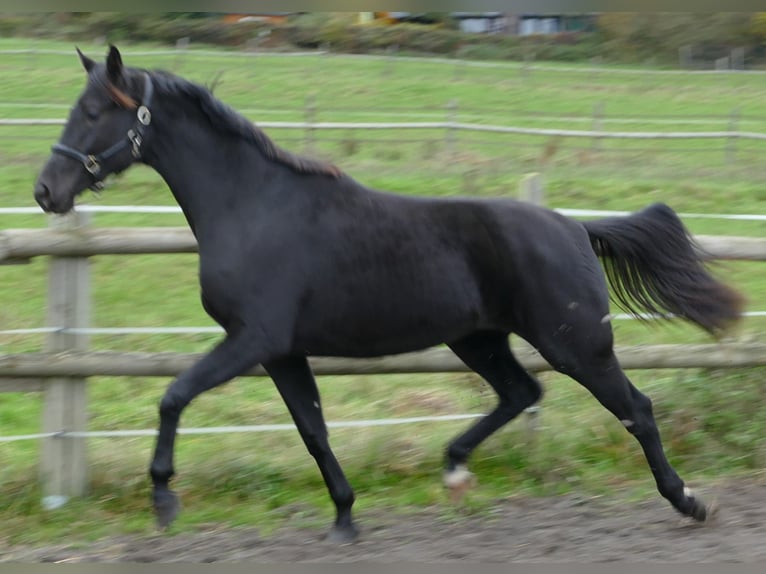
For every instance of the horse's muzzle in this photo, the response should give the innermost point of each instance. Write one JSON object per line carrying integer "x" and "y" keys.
{"x": 43, "y": 197}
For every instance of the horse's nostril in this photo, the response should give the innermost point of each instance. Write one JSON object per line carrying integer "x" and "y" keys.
{"x": 43, "y": 196}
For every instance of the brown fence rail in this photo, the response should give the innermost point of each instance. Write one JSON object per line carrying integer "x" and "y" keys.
{"x": 22, "y": 244}
{"x": 28, "y": 368}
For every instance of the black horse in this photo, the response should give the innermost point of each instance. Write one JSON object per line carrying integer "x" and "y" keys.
{"x": 296, "y": 259}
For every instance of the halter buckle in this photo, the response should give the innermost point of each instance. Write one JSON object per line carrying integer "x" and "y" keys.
{"x": 92, "y": 165}
{"x": 136, "y": 140}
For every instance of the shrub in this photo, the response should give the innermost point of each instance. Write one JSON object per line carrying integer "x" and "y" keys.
{"x": 626, "y": 37}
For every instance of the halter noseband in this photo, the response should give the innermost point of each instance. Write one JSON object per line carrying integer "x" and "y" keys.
{"x": 135, "y": 138}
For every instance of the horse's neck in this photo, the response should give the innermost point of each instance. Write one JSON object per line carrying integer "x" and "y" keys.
{"x": 204, "y": 169}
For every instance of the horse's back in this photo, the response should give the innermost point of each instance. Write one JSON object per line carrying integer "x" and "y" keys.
{"x": 395, "y": 273}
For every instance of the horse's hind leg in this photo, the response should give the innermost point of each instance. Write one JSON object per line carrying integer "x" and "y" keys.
{"x": 591, "y": 361}
{"x": 489, "y": 355}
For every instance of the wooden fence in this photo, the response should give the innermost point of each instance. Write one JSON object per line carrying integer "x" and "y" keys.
{"x": 451, "y": 125}
{"x": 60, "y": 371}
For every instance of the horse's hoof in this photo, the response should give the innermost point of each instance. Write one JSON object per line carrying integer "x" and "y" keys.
{"x": 166, "y": 508}
{"x": 704, "y": 514}
{"x": 342, "y": 534}
{"x": 459, "y": 481}
{"x": 699, "y": 511}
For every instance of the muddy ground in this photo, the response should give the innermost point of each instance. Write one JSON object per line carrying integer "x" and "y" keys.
{"x": 561, "y": 529}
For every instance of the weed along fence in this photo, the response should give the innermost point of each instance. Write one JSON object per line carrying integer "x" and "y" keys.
{"x": 61, "y": 370}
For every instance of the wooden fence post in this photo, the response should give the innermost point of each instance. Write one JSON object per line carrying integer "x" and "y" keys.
{"x": 731, "y": 142}
{"x": 449, "y": 135}
{"x": 531, "y": 191}
{"x": 391, "y": 53}
{"x": 598, "y": 125}
{"x": 723, "y": 63}
{"x": 182, "y": 45}
{"x": 686, "y": 57}
{"x": 526, "y": 66}
{"x": 737, "y": 58}
{"x": 459, "y": 70}
{"x": 596, "y": 62}
{"x": 63, "y": 466}
{"x": 310, "y": 117}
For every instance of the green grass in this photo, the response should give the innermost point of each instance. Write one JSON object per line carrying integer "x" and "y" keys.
{"x": 710, "y": 420}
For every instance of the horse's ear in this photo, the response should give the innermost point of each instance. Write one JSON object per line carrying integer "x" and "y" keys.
{"x": 114, "y": 64}
{"x": 87, "y": 63}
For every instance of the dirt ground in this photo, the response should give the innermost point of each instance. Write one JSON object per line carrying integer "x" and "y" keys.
{"x": 561, "y": 529}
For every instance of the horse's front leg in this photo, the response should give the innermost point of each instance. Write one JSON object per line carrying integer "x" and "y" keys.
{"x": 233, "y": 356}
{"x": 296, "y": 384}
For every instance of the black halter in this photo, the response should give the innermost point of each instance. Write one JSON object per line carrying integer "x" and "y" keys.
{"x": 135, "y": 138}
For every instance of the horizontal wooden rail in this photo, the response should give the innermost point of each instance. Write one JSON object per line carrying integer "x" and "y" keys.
{"x": 33, "y": 366}
{"x": 733, "y": 248}
{"x": 21, "y": 244}
{"x": 87, "y": 241}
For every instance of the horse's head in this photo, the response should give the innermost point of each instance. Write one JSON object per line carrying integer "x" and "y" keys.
{"x": 103, "y": 134}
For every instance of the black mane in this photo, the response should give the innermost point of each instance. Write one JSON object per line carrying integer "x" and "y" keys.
{"x": 226, "y": 118}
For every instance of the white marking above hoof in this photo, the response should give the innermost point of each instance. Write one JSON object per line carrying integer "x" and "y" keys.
{"x": 627, "y": 423}
{"x": 458, "y": 477}
{"x": 687, "y": 492}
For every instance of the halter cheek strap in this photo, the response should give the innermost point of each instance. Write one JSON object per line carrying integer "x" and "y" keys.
{"x": 134, "y": 138}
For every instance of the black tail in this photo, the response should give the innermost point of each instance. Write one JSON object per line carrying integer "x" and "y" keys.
{"x": 653, "y": 265}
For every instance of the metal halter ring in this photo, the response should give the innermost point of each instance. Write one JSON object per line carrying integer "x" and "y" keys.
{"x": 144, "y": 115}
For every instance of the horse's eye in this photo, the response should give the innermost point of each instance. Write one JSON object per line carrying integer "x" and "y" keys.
{"x": 91, "y": 113}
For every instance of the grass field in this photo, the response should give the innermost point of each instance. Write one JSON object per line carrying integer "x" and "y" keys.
{"x": 713, "y": 422}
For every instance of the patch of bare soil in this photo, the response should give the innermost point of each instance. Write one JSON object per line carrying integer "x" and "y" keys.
{"x": 559, "y": 529}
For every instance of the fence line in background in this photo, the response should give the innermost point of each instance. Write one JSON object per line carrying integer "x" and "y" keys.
{"x": 572, "y": 212}
{"x": 191, "y": 330}
{"x": 18, "y": 245}
{"x": 23, "y": 371}
{"x": 184, "y": 52}
{"x": 524, "y": 67}
{"x": 239, "y": 429}
{"x": 726, "y": 355}
{"x": 451, "y": 125}
{"x": 465, "y": 112}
